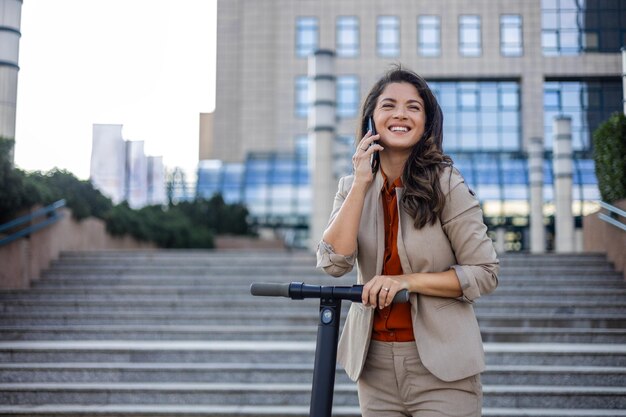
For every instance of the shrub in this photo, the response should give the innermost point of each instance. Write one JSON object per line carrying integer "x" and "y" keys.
{"x": 609, "y": 153}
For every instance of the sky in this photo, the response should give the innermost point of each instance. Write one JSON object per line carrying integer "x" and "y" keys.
{"x": 148, "y": 65}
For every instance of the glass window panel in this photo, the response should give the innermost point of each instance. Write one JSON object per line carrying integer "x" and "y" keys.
{"x": 568, "y": 20}
{"x": 568, "y": 4}
{"x": 469, "y": 98}
{"x": 510, "y": 118}
{"x": 549, "y": 4}
{"x": 469, "y": 139}
{"x": 429, "y": 36}
{"x": 450, "y": 118}
{"x": 591, "y": 41}
{"x": 388, "y": 36}
{"x": 469, "y": 120}
{"x": 489, "y": 119}
{"x": 347, "y": 95}
{"x": 510, "y": 140}
{"x": 347, "y": 36}
{"x": 509, "y": 99}
{"x": 551, "y": 98}
{"x": 549, "y": 42}
{"x": 511, "y": 35}
{"x": 571, "y": 99}
{"x": 302, "y": 96}
{"x": 488, "y": 97}
{"x": 569, "y": 41}
{"x": 469, "y": 35}
{"x": 450, "y": 139}
{"x": 448, "y": 99}
{"x": 307, "y": 35}
{"x": 490, "y": 140}
{"x": 549, "y": 20}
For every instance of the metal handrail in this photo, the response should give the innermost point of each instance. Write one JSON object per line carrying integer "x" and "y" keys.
{"x": 613, "y": 212}
{"x": 50, "y": 212}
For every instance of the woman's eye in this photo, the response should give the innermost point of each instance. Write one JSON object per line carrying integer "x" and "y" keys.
{"x": 386, "y": 106}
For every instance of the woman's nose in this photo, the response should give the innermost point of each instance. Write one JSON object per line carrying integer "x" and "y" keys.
{"x": 399, "y": 113}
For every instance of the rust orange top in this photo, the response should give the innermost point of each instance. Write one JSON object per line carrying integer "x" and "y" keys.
{"x": 393, "y": 323}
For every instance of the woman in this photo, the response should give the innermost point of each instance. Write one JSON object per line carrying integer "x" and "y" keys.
{"x": 413, "y": 225}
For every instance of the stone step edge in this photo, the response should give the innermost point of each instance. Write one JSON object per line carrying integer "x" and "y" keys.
{"x": 235, "y": 328}
{"x": 221, "y": 313}
{"x": 235, "y": 345}
{"x": 191, "y": 303}
{"x": 232, "y": 367}
{"x": 269, "y": 388}
{"x": 255, "y": 411}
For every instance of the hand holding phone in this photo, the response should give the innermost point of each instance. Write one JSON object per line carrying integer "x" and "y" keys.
{"x": 375, "y": 158}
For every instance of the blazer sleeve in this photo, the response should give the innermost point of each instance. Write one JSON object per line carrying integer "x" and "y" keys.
{"x": 333, "y": 263}
{"x": 462, "y": 220}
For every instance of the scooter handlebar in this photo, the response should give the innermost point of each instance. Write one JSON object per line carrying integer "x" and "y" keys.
{"x": 270, "y": 289}
{"x": 299, "y": 290}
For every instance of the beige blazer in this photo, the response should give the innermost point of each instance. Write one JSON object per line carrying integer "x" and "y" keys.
{"x": 446, "y": 330}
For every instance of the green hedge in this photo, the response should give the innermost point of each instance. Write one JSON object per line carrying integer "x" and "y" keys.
{"x": 609, "y": 153}
{"x": 190, "y": 224}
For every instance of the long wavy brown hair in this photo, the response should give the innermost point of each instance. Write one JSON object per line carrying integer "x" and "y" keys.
{"x": 423, "y": 198}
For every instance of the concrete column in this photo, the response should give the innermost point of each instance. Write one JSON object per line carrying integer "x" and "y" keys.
{"x": 10, "y": 18}
{"x": 535, "y": 173}
{"x": 322, "y": 125}
{"x": 500, "y": 239}
{"x": 562, "y": 167}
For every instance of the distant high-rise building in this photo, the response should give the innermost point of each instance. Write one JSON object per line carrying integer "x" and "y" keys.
{"x": 121, "y": 170}
{"x": 107, "y": 170}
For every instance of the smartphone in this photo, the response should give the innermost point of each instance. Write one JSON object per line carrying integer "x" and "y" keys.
{"x": 375, "y": 158}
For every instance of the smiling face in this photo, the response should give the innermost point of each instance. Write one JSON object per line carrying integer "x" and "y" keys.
{"x": 400, "y": 116}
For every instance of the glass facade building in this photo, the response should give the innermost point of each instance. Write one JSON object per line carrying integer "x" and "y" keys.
{"x": 501, "y": 75}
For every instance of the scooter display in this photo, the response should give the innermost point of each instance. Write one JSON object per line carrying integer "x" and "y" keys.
{"x": 327, "y": 331}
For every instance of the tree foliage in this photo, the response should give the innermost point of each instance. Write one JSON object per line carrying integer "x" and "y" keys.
{"x": 609, "y": 153}
{"x": 16, "y": 192}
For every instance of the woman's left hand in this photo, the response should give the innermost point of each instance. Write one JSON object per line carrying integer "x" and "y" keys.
{"x": 380, "y": 290}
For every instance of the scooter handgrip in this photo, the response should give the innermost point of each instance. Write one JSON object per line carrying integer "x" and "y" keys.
{"x": 270, "y": 289}
{"x": 401, "y": 296}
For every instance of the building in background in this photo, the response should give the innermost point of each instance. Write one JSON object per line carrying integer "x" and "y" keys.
{"x": 121, "y": 170}
{"x": 502, "y": 70}
{"x": 10, "y": 18}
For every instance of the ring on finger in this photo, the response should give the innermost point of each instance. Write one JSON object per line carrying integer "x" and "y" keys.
{"x": 385, "y": 288}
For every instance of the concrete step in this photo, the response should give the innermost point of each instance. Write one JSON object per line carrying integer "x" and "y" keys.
{"x": 161, "y": 410}
{"x": 273, "y": 373}
{"x": 241, "y": 282}
{"x": 285, "y": 394}
{"x": 546, "y": 273}
{"x": 304, "y": 257}
{"x": 246, "y": 303}
{"x": 163, "y": 327}
{"x": 308, "y": 262}
{"x": 302, "y": 317}
{"x": 48, "y": 290}
{"x": 555, "y": 354}
{"x": 284, "y": 333}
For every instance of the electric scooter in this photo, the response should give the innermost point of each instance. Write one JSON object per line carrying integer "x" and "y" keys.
{"x": 327, "y": 331}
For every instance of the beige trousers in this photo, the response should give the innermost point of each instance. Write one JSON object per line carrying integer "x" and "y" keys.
{"x": 395, "y": 383}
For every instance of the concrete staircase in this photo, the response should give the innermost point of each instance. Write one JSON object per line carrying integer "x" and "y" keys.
{"x": 176, "y": 333}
